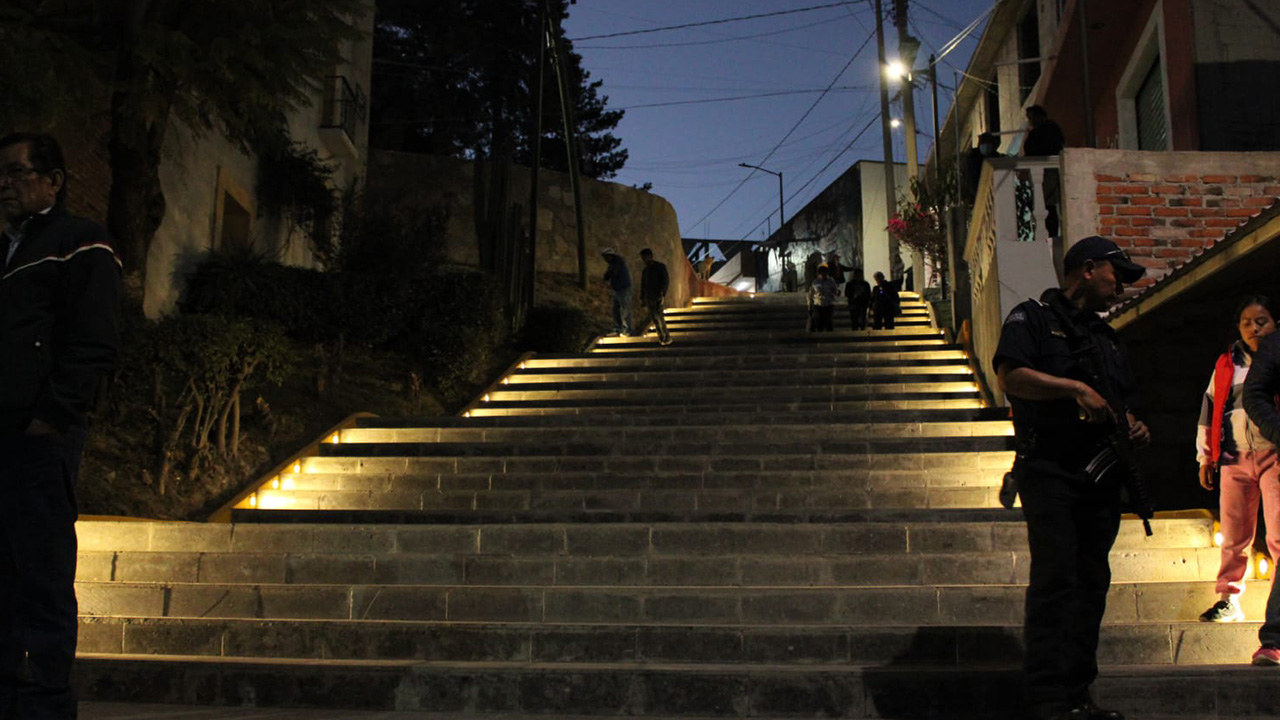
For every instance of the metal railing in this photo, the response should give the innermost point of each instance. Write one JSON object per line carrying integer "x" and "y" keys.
{"x": 344, "y": 106}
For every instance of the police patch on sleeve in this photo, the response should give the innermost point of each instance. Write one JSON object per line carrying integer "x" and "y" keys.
{"x": 1017, "y": 316}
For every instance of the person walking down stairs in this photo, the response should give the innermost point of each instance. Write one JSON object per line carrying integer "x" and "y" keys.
{"x": 619, "y": 279}
{"x": 822, "y": 301}
{"x": 884, "y": 303}
{"x": 1234, "y": 456}
{"x": 653, "y": 296}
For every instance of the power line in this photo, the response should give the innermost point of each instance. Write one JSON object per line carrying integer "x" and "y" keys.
{"x": 732, "y": 98}
{"x": 803, "y": 117}
{"x": 732, "y": 38}
{"x": 714, "y": 22}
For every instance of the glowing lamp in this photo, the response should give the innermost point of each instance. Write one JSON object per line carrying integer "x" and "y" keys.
{"x": 1217, "y": 539}
{"x": 253, "y": 500}
{"x": 895, "y": 123}
{"x": 1263, "y": 567}
{"x": 895, "y": 70}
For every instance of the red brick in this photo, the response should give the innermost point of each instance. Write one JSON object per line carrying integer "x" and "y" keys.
{"x": 1222, "y": 202}
{"x": 1112, "y": 200}
{"x": 1205, "y": 212}
{"x": 1133, "y": 210}
{"x": 1128, "y": 232}
{"x": 1147, "y": 201}
{"x": 1207, "y": 233}
{"x": 1107, "y": 210}
{"x": 1167, "y": 189}
{"x": 1142, "y": 177}
{"x": 1259, "y": 202}
{"x": 1107, "y": 190}
{"x": 1271, "y": 190}
{"x": 1112, "y": 221}
{"x": 1190, "y": 243}
{"x": 1142, "y": 242}
{"x": 1221, "y": 222}
{"x": 1145, "y": 222}
{"x": 1132, "y": 190}
{"x": 1169, "y": 212}
{"x": 1173, "y": 252}
{"x": 1181, "y": 178}
{"x": 1215, "y": 179}
{"x": 1241, "y": 212}
{"x": 1256, "y": 178}
{"x": 1187, "y": 223}
{"x": 1107, "y": 178}
{"x": 1185, "y": 202}
{"x": 1148, "y": 262}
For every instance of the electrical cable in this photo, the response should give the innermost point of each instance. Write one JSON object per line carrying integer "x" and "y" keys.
{"x": 790, "y": 132}
{"x": 732, "y": 38}
{"x": 732, "y": 98}
{"x": 716, "y": 22}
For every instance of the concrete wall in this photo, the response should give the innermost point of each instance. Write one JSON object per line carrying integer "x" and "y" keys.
{"x": 616, "y": 215}
{"x": 198, "y": 171}
{"x": 1164, "y": 208}
{"x": 1237, "y": 68}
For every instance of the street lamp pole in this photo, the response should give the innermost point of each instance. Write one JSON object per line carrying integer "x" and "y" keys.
{"x": 782, "y": 220}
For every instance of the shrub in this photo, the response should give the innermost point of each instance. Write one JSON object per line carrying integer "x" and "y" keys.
{"x": 556, "y": 329}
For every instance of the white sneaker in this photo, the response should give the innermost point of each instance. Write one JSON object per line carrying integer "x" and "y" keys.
{"x": 1223, "y": 611}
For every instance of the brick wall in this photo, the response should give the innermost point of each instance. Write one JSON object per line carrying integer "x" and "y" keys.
{"x": 1164, "y": 221}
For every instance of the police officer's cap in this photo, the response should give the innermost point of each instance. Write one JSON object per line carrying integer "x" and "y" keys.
{"x": 1100, "y": 248}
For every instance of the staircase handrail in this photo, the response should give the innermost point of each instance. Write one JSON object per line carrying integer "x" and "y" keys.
{"x": 292, "y": 465}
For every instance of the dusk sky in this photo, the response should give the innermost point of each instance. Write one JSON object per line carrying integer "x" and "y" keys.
{"x": 690, "y": 149}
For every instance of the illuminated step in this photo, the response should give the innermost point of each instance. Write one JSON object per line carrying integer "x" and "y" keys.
{"x": 594, "y": 570}
{"x": 665, "y": 691}
{"x": 742, "y": 376}
{"x": 519, "y": 409}
{"x": 645, "y": 435}
{"x": 862, "y": 340}
{"x": 891, "y": 606}
{"x": 657, "y": 393}
{"x": 889, "y": 358}
{"x": 1166, "y": 643}
{"x": 878, "y": 533}
{"x": 690, "y": 419}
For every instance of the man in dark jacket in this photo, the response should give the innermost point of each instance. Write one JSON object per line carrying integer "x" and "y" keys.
{"x": 1045, "y": 139}
{"x": 618, "y": 276}
{"x": 1055, "y": 360}
{"x": 1261, "y": 388}
{"x": 653, "y": 295}
{"x": 858, "y": 294}
{"x": 59, "y": 299}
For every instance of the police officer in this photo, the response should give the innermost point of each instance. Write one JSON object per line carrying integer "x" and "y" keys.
{"x": 1061, "y": 423}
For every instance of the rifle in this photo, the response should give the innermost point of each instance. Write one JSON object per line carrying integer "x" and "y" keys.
{"x": 1118, "y": 454}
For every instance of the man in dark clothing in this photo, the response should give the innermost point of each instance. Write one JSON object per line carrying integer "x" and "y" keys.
{"x": 59, "y": 299}
{"x": 619, "y": 279}
{"x": 653, "y": 295}
{"x": 988, "y": 145}
{"x": 1045, "y": 139}
{"x": 1261, "y": 387}
{"x": 884, "y": 302}
{"x": 858, "y": 294}
{"x": 1061, "y": 422}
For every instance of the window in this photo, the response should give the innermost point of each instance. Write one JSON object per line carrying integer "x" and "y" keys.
{"x": 1149, "y": 107}
{"x": 993, "y": 105}
{"x": 232, "y": 216}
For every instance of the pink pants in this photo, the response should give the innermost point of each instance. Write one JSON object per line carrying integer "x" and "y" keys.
{"x": 1254, "y": 476}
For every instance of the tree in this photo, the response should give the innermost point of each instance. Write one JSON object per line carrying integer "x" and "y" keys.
{"x": 459, "y": 78}
{"x": 233, "y": 68}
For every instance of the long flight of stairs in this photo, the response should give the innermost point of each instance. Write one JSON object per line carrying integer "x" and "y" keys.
{"x": 753, "y": 522}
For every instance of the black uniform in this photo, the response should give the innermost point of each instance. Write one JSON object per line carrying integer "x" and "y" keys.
{"x": 1071, "y": 520}
{"x": 59, "y": 298}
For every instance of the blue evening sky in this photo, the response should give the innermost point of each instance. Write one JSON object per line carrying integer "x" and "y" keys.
{"x": 690, "y": 150}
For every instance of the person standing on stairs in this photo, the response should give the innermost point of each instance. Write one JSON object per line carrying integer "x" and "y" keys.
{"x": 884, "y": 303}
{"x": 822, "y": 301}
{"x": 619, "y": 279}
{"x": 653, "y": 295}
{"x": 1061, "y": 422}
{"x": 858, "y": 294}
{"x": 1233, "y": 455}
{"x": 59, "y": 306}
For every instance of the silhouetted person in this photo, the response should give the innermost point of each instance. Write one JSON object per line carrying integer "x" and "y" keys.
{"x": 653, "y": 295}
{"x": 822, "y": 301}
{"x": 1044, "y": 139}
{"x": 618, "y": 277}
{"x": 884, "y": 302}
{"x": 858, "y": 294}
{"x": 988, "y": 147}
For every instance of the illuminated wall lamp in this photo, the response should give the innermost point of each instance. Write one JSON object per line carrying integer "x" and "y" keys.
{"x": 335, "y": 438}
{"x": 1217, "y": 534}
{"x": 1262, "y": 567}
{"x": 253, "y": 500}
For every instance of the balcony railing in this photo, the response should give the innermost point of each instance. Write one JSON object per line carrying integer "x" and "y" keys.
{"x": 344, "y": 106}
{"x": 1009, "y": 251}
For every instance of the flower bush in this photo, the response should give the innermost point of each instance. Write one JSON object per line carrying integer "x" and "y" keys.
{"x": 919, "y": 228}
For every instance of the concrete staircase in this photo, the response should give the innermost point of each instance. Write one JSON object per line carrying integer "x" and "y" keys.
{"x": 752, "y": 522}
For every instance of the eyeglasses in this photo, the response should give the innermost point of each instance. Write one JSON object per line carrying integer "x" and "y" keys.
{"x": 16, "y": 173}
{"x": 1116, "y": 254}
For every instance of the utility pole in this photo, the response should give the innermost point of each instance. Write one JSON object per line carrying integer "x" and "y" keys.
{"x": 544, "y": 37}
{"x": 571, "y": 142}
{"x": 782, "y": 218}
{"x": 937, "y": 160}
{"x": 890, "y": 194}
{"x": 907, "y": 49}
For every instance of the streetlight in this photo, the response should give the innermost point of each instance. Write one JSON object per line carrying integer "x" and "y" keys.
{"x": 896, "y": 70}
{"x": 895, "y": 123}
{"x": 782, "y": 220}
